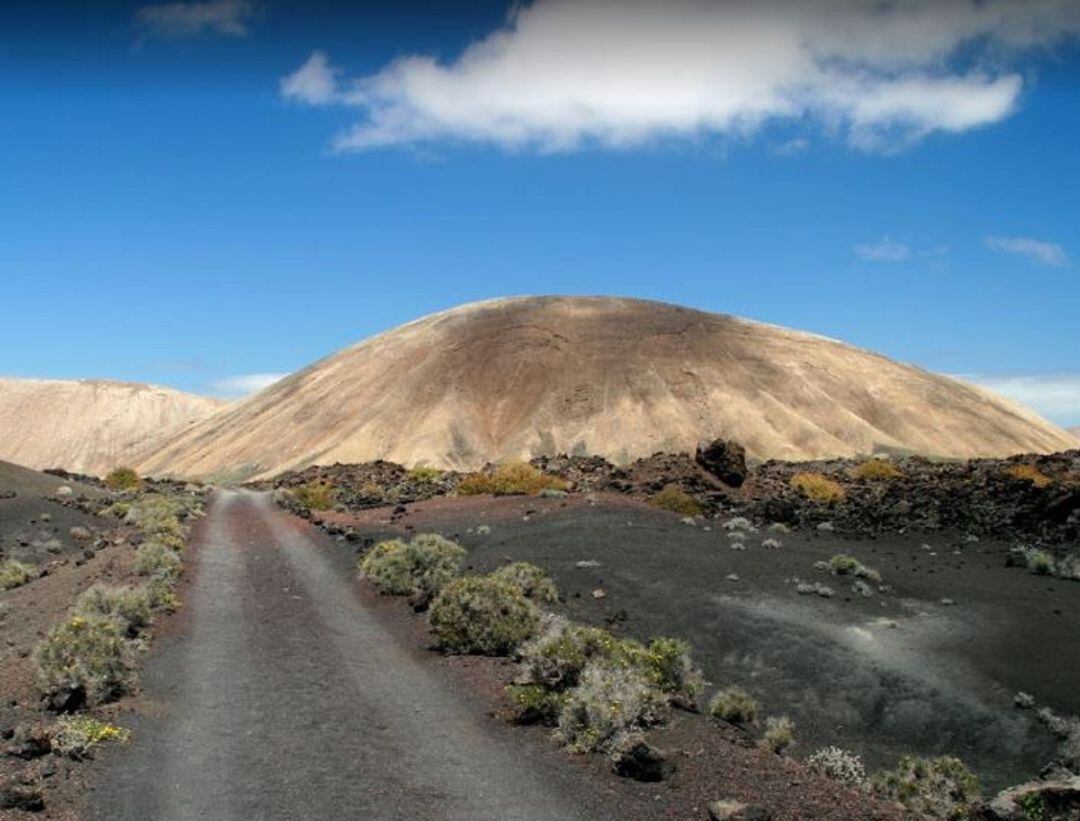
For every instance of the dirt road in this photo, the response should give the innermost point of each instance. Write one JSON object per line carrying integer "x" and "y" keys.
{"x": 284, "y": 698}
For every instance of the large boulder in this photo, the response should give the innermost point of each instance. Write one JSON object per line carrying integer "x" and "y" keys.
{"x": 723, "y": 459}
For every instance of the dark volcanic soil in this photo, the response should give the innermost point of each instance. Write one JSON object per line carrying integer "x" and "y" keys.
{"x": 901, "y": 671}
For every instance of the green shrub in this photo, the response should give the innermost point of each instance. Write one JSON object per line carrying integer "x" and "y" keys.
{"x": 122, "y": 478}
{"x": 843, "y": 565}
{"x": 482, "y": 615}
{"x": 734, "y": 705}
{"x": 424, "y": 474}
{"x": 779, "y": 734}
{"x": 15, "y": 574}
{"x": 510, "y": 479}
{"x": 130, "y": 607}
{"x": 677, "y": 501}
{"x": 76, "y": 736}
{"x": 158, "y": 515}
{"x": 154, "y": 558}
{"x": 611, "y": 700}
{"x": 938, "y": 788}
{"x": 425, "y": 564}
{"x": 876, "y": 470}
{"x": 533, "y": 582}
{"x": 556, "y": 658}
{"x": 316, "y": 495}
{"x": 818, "y": 488}
{"x": 86, "y": 659}
{"x": 535, "y": 703}
{"x": 117, "y": 509}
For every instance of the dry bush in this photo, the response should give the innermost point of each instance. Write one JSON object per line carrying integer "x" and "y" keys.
{"x": 611, "y": 700}
{"x": 482, "y": 615}
{"x": 677, "y": 501}
{"x": 129, "y": 606}
{"x": 15, "y": 574}
{"x": 76, "y": 736}
{"x": 1029, "y": 473}
{"x": 818, "y": 488}
{"x": 937, "y": 788}
{"x": 734, "y": 705}
{"x": 159, "y": 560}
{"x": 122, "y": 478}
{"x": 510, "y": 479}
{"x": 533, "y": 582}
{"x": 86, "y": 659}
{"x": 839, "y": 764}
{"x": 779, "y": 734}
{"x": 315, "y": 495}
{"x": 425, "y": 474}
{"x": 876, "y": 470}
{"x": 425, "y": 564}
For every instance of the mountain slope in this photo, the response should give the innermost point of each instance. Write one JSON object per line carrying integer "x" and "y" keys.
{"x": 1075, "y": 432}
{"x": 87, "y": 425}
{"x": 623, "y": 378}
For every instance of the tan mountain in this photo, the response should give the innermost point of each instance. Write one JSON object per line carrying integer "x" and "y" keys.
{"x": 511, "y": 378}
{"x": 88, "y": 425}
{"x": 1075, "y": 432}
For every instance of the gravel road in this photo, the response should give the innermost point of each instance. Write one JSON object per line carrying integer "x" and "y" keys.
{"x": 284, "y": 698}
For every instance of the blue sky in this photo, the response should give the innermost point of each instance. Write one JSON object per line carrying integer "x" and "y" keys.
{"x": 200, "y": 192}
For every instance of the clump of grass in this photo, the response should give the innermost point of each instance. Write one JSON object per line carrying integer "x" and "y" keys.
{"x": 533, "y": 582}
{"x": 424, "y": 564}
{"x": 122, "y": 478}
{"x": 117, "y": 509}
{"x": 510, "y": 479}
{"x": 14, "y": 574}
{"x": 130, "y": 606}
{"x": 940, "y": 788}
{"x": 77, "y": 736}
{"x": 316, "y": 495}
{"x": 159, "y": 515}
{"x": 779, "y": 734}
{"x": 611, "y": 701}
{"x": 159, "y": 560}
{"x": 677, "y": 501}
{"x": 425, "y": 474}
{"x": 818, "y": 488}
{"x": 1040, "y": 562}
{"x": 482, "y": 615}
{"x": 85, "y": 660}
{"x": 1029, "y": 473}
{"x": 839, "y": 764}
{"x": 876, "y": 470}
{"x": 535, "y": 703}
{"x": 844, "y": 565}
{"x": 734, "y": 705}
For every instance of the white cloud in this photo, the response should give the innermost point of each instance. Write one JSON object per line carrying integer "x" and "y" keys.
{"x": 885, "y": 251}
{"x": 566, "y": 74}
{"x": 246, "y": 383}
{"x": 1056, "y": 396}
{"x": 1044, "y": 253}
{"x": 314, "y": 83}
{"x": 227, "y": 18}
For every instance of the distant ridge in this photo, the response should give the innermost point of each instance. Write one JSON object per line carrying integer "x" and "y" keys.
{"x": 90, "y": 425}
{"x": 622, "y": 378}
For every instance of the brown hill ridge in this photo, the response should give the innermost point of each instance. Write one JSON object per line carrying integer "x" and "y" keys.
{"x": 90, "y": 425}
{"x": 514, "y": 378}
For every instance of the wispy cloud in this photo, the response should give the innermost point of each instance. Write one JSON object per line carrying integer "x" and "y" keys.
{"x": 225, "y": 18}
{"x": 562, "y": 75}
{"x": 1056, "y": 396}
{"x": 1043, "y": 253}
{"x": 246, "y": 383}
{"x": 884, "y": 251}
